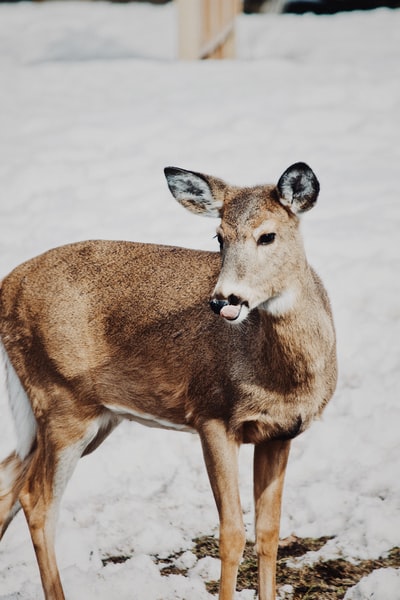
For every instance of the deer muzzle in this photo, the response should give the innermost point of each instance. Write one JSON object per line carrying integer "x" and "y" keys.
{"x": 230, "y": 309}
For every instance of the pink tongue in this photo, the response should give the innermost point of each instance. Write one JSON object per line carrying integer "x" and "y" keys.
{"x": 230, "y": 311}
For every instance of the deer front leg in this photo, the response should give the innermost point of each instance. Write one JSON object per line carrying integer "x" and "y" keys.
{"x": 270, "y": 460}
{"x": 221, "y": 454}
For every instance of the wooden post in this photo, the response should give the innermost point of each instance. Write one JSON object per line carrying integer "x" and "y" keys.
{"x": 207, "y": 28}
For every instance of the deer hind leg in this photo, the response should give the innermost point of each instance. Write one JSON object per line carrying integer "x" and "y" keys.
{"x": 220, "y": 454}
{"x": 12, "y": 475}
{"x": 270, "y": 460}
{"x": 52, "y": 464}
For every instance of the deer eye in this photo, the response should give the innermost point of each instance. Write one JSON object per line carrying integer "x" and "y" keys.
{"x": 266, "y": 238}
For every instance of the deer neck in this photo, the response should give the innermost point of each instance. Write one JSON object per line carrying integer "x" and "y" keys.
{"x": 297, "y": 329}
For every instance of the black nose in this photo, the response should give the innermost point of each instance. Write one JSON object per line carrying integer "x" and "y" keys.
{"x": 216, "y": 305}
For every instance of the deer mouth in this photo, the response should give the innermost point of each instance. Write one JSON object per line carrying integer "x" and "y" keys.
{"x": 231, "y": 312}
{"x": 228, "y": 310}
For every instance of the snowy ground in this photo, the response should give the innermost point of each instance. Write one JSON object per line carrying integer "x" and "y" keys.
{"x": 93, "y": 104}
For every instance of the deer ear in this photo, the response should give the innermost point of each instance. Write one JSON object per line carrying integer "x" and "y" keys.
{"x": 201, "y": 194}
{"x": 298, "y": 188}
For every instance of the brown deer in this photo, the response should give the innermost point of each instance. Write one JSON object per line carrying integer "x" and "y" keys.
{"x": 100, "y": 331}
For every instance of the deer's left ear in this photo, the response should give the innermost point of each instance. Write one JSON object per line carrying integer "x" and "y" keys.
{"x": 298, "y": 188}
{"x": 201, "y": 194}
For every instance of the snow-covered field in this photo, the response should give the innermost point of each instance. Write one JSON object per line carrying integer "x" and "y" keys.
{"x": 93, "y": 105}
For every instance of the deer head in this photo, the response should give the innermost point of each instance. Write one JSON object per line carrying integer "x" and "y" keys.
{"x": 262, "y": 254}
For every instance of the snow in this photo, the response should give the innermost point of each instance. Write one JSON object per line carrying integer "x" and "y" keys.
{"x": 368, "y": 587}
{"x": 93, "y": 105}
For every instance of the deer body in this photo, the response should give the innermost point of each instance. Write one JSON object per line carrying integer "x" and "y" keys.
{"x": 99, "y": 331}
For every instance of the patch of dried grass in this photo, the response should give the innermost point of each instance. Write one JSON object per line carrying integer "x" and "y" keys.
{"x": 327, "y": 579}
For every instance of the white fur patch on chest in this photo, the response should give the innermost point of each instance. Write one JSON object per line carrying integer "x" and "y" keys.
{"x": 281, "y": 304}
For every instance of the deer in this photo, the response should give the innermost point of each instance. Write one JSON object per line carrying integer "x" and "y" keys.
{"x": 236, "y": 345}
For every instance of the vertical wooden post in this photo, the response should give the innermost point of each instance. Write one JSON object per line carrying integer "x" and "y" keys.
{"x": 190, "y": 28}
{"x": 207, "y": 28}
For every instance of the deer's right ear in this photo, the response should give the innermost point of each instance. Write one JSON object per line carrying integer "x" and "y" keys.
{"x": 298, "y": 188}
{"x": 201, "y": 194}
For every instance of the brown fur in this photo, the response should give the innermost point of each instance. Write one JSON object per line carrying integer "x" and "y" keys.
{"x": 98, "y": 329}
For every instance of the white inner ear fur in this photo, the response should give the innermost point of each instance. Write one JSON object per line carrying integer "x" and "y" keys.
{"x": 183, "y": 183}
{"x": 282, "y": 303}
{"x": 289, "y": 198}
{"x": 187, "y": 186}
{"x": 287, "y": 194}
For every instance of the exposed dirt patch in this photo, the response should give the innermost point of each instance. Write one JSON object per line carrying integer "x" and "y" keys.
{"x": 327, "y": 580}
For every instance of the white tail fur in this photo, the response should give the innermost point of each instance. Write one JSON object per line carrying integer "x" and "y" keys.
{"x": 13, "y": 468}
{"x": 24, "y": 419}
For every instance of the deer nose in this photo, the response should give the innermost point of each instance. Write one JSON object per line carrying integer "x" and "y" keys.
{"x": 216, "y": 305}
